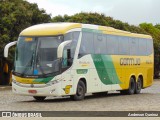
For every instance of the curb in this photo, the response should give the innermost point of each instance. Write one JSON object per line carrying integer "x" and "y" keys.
{"x": 5, "y": 88}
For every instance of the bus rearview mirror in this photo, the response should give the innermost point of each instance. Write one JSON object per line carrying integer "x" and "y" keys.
{"x": 7, "y": 48}
{"x": 61, "y": 47}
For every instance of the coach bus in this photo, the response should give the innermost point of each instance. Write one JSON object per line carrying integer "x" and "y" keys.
{"x": 72, "y": 59}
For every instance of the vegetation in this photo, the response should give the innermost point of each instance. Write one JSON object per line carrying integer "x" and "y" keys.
{"x": 15, "y": 16}
{"x": 98, "y": 19}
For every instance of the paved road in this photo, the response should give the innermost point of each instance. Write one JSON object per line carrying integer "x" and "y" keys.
{"x": 148, "y": 100}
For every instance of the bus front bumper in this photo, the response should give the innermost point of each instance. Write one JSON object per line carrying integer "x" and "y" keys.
{"x": 24, "y": 89}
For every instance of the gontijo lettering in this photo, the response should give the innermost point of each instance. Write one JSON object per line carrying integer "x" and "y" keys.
{"x": 130, "y": 61}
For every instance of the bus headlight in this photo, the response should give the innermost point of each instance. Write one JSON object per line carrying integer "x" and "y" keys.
{"x": 53, "y": 82}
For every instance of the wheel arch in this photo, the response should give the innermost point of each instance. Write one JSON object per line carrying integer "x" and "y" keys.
{"x": 84, "y": 81}
{"x": 141, "y": 77}
{"x": 134, "y": 77}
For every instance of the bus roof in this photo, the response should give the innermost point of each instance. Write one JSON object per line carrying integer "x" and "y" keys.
{"x": 50, "y": 29}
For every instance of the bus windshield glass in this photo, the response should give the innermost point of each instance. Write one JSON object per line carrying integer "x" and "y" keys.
{"x": 37, "y": 55}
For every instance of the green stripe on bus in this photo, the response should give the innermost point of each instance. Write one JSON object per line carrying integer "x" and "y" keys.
{"x": 82, "y": 71}
{"x": 105, "y": 69}
{"x": 43, "y": 80}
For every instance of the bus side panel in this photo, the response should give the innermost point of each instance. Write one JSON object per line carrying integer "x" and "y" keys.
{"x": 107, "y": 73}
{"x": 94, "y": 83}
{"x": 67, "y": 83}
{"x": 85, "y": 70}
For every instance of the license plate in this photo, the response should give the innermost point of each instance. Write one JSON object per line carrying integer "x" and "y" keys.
{"x": 32, "y": 91}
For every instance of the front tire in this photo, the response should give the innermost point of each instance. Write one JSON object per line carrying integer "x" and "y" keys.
{"x": 80, "y": 93}
{"x": 39, "y": 98}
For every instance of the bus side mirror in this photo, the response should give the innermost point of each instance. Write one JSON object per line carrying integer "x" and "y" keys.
{"x": 61, "y": 47}
{"x": 7, "y": 48}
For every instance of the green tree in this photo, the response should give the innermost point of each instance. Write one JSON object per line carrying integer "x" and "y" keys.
{"x": 98, "y": 19}
{"x": 16, "y": 15}
{"x": 157, "y": 26}
{"x": 154, "y": 32}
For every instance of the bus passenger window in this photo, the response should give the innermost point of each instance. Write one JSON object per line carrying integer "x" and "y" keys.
{"x": 112, "y": 45}
{"x": 123, "y": 45}
{"x": 149, "y": 46}
{"x": 133, "y": 46}
{"x": 86, "y": 46}
{"x": 142, "y": 46}
{"x": 100, "y": 44}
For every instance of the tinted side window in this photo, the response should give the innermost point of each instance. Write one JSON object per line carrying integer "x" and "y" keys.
{"x": 142, "y": 46}
{"x": 87, "y": 44}
{"x": 112, "y": 44}
{"x": 68, "y": 36}
{"x": 74, "y": 42}
{"x": 133, "y": 46}
{"x": 149, "y": 46}
{"x": 99, "y": 43}
{"x": 123, "y": 45}
{"x": 68, "y": 59}
{"x": 74, "y": 37}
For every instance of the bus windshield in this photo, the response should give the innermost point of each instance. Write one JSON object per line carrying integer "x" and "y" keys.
{"x": 37, "y": 55}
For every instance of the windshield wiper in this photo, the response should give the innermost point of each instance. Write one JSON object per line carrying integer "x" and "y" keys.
{"x": 38, "y": 61}
{"x": 28, "y": 65}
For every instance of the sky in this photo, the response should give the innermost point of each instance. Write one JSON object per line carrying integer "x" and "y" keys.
{"x": 131, "y": 11}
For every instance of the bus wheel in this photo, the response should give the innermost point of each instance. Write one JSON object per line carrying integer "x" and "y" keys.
{"x": 138, "y": 86}
{"x": 80, "y": 94}
{"x": 132, "y": 87}
{"x": 39, "y": 98}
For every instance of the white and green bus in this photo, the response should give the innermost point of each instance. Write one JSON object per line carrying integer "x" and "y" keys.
{"x": 72, "y": 59}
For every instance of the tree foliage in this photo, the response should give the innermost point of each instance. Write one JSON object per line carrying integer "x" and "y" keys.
{"x": 98, "y": 19}
{"x": 16, "y": 15}
{"x": 154, "y": 31}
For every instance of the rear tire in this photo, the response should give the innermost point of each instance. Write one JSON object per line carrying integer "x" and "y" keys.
{"x": 80, "y": 93}
{"x": 131, "y": 89}
{"x": 132, "y": 86}
{"x": 138, "y": 86}
{"x": 39, "y": 98}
